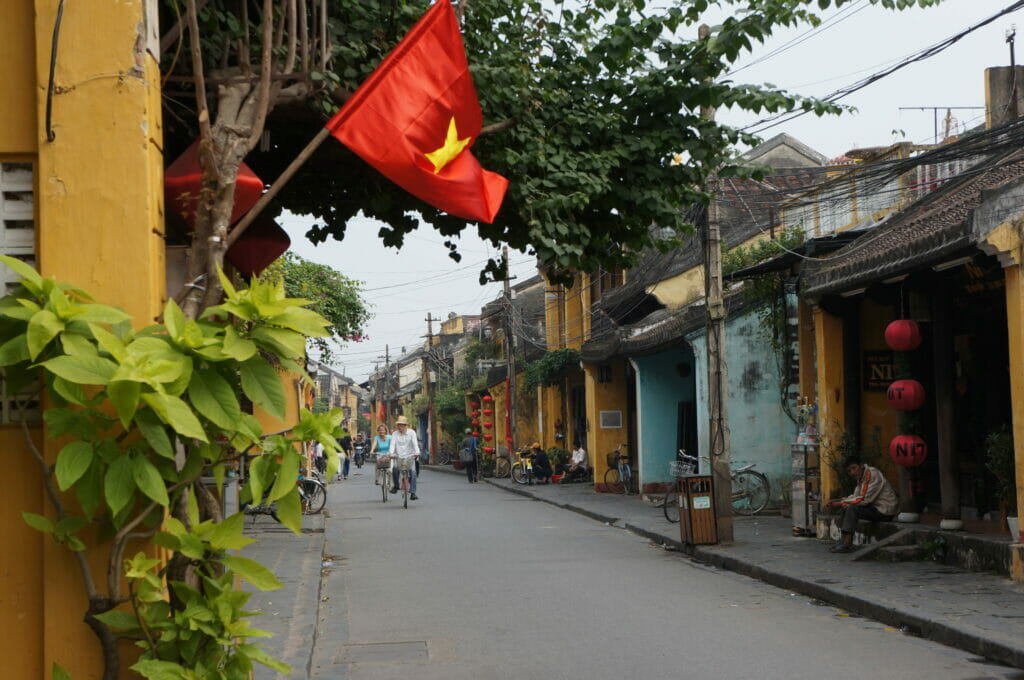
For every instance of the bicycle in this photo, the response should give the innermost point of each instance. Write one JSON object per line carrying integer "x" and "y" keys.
{"x": 751, "y": 490}
{"x": 618, "y": 478}
{"x": 522, "y": 469}
{"x": 405, "y": 481}
{"x": 383, "y": 476}
{"x": 313, "y": 494}
{"x": 444, "y": 456}
{"x": 683, "y": 465}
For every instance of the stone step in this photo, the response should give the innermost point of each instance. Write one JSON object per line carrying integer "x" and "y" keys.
{"x": 899, "y": 553}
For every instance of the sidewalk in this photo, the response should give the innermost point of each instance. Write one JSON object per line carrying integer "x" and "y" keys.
{"x": 981, "y": 613}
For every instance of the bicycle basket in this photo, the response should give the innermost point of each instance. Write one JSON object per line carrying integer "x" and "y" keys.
{"x": 680, "y": 468}
{"x": 383, "y": 462}
{"x": 612, "y": 459}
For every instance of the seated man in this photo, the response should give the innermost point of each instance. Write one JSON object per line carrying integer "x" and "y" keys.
{"x": 577, "y": 468}
{"x": 541, "y": 465}
{"x": 873, "y": 500}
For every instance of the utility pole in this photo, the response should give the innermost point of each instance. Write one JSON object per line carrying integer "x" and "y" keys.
{"x": 387, "y": 380}
{"x": 429, "y": 386}
{"x": 718, "y": 386}
{"x": 510, "y": 358}
{"x": 1011, "y": 36}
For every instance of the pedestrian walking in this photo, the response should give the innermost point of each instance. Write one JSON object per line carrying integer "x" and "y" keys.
{"x": 345, "y": 443}
{"x": 468, "y": 456}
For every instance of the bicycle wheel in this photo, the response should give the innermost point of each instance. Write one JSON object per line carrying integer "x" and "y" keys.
{"x": 750, "y": 491}
{"x": 443, "y": 458}
{"x": 627, "y": 479}
{"x": 405, "y": 489}
{"x": 314, "y": 496}
{"x": 519, "y": 473}
{"x": 670, "y": 506}
{"x": 382, "y": 477}
{"x": 612, "y": 481}
{"x": 501, "y": 467}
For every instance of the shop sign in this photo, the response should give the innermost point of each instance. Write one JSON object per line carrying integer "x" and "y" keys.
{"x": 879, "y": 370}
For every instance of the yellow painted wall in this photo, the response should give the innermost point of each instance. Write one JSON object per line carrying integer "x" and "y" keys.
{"x": 676, "y": 291}
{"x": 874, "y": 407}
{"x": 1015, "y": 323}
{"x": 574, "y": 311}
{"x": 18, "y": 78}
{"x": 551, "y": 403}
{"x": 498, "y": 418}
{"x": 609, "y": 396}
{"x": 829, "y": 342}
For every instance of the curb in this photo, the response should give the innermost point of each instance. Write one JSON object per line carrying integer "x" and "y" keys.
{"x": 888, "y": 614}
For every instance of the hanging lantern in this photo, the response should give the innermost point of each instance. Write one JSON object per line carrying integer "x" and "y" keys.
{"x": 905, "y": 395}
{"x": 475, "y": 404}
{"x": 475, "y": 433}
{"x": 474, "y": 423}
{"x": 488, "y": 398}
{"x": 367, "y": 415}
{"x": 908, "y": 450}
{"x": 488, "y": 411}
{"x": 488, "y": 424}
{"x": 488, "y": 437}
{"x": 476, "y": 414}
{"x": 508, "y": 439}
{"x": 488, "y": 449}
{"x": 259, "y": 245}
{"x": 182, "y": 187}
{"x": 903, "y": 335}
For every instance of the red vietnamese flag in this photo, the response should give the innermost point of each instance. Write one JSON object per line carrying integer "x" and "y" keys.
{"x": 417, "y": 115}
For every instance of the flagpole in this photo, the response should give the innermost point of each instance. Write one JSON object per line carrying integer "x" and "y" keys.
{"x": 278, "y": 184}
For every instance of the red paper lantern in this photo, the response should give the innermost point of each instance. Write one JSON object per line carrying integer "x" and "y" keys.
{"x": 488, "y": 424}
{"x": 475, "y": 404}
{"x": 259, "y": 245}
{"x": 488, "y": 437}
{"x": 488, "y": 449}
{"x": 367, "y": 415}
{"x": 903, "y": 335}
{"x": 476, "y": 414}
{"x": 508, "y": 439}
{"x": 908, "y": 450}
{"x": 905, "y": 395}
{"x": 182, "y": 185}
{"x": 488, "y": 411}
{"x": 474, "y": 423}
{"x": 488, "y": 398}
{"x": 475, "y": 433}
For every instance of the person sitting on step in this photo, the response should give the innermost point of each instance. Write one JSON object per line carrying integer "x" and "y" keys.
{"x": 873, "y": 499}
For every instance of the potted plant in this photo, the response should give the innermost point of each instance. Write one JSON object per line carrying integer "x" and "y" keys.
{"x": 999, "y": 459}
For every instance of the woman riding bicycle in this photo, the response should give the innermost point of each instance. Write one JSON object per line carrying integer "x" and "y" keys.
{"x": 380, "y": 445}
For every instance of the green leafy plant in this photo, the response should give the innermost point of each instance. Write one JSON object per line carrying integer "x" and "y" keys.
{"x": 550, "y": 368}
{"x": 1000, "y": 461}
{"x": 144, "y": 415}
{"x": 558, "y": 456}
{"x": 847, "y": 444}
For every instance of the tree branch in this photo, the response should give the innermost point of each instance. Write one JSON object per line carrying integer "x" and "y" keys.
{"x": 197, "y": 72}
{"x": 266, "y": 63}
{"x": 304, "y": 36}
{"x": 293, "y": 37}
{"x": 497, "y": 127}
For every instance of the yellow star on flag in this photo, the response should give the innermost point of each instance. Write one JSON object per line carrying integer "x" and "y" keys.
{"x": 452, "y": 147}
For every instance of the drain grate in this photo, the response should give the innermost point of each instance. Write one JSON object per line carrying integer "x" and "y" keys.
{"x": 384, "y": 652}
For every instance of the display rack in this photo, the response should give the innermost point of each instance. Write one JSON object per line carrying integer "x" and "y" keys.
{"x": 806, "y": 487}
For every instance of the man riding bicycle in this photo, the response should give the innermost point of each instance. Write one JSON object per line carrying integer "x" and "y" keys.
{"x": 405, "y": 447}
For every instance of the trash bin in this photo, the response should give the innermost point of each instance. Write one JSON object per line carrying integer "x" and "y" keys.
{"x": 698, "y": 522}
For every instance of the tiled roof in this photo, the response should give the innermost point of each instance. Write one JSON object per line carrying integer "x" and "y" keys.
{"x": 929, "y": 230}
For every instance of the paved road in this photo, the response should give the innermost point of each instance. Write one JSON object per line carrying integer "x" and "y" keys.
{"x": 472, "y": 582}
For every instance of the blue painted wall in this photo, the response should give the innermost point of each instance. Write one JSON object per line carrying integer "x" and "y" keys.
{"x": 659, "y": 389}
{"x": 761, "y": 432}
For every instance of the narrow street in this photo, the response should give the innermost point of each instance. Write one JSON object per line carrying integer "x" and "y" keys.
{"x": 475, "y": 582}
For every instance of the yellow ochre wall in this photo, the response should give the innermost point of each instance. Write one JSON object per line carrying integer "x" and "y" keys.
{"x": 98, "y": 198}
{"x": 829, "y": 342}
{"x": 609, "y": 396}
{"x": 875, "y": 411}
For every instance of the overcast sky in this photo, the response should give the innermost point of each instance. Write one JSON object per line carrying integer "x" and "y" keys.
{"x": 854, "y": 42}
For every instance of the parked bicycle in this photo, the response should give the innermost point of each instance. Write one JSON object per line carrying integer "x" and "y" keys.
{"x": 444, "y": 456}
{"x": 751, "y": 490}
{"x": 618, "y": 478}
{"x": 313, "y": 494}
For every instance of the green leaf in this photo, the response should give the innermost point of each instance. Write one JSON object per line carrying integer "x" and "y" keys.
{"x": 14, "y": 350}
{"x": 119, "y": 485}
{"x": 174, "y": 320}
{"x": 125, "y": 395}
{"x": 236, "y": 347}
{"x": 289, "y": 509}
{"x": 286, "y": 343}
{"x": 25, "y": 272}
{"x": 93, "y": 313}
{"x": 259, "y": 655}
{"x": 70, "y": 391}
{"x": 227, "y": 535}
{"x": 177, "y": 414}
{"x": 72, "y": 462}
{"x": 153, "y": 669}
{"x": 154, "y": 432}
{"x": 109, "y": 342}
{"x": 225, "y": 282}
{"x": 119, "y": 619}
{"x": 262, "y": 385}
{"x": 89, "y": 490}
{"x": 149, "y": 481}
{"x": 304, "y": 321}
{"x": 57, "y": 672}
{"x": 82, "y": 370}
{"x": 38, "y": 522}
{"x": 212, "y": 396}
{"x": 287, "y": 475}
{"x": 252, "y": 571}
{"x": 42, "y": 328}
